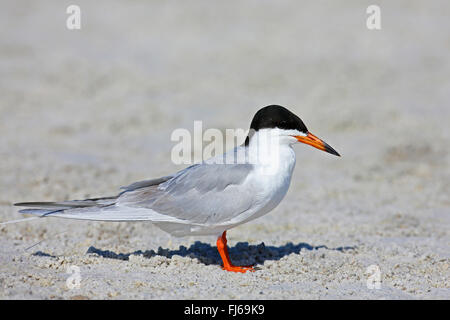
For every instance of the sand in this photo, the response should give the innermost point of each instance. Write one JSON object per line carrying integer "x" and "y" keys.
{"x": 84, "y": 112}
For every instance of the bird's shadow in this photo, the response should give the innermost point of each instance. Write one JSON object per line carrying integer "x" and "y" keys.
{"x": 242, "y": 253}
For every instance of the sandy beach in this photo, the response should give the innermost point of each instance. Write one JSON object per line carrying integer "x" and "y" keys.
{"x": 84, "y": 112}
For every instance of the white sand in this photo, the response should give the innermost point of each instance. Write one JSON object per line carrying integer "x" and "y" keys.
{"x": 85, "y": 112}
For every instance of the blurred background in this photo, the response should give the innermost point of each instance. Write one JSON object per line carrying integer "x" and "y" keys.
{"x": 83, "y": 112}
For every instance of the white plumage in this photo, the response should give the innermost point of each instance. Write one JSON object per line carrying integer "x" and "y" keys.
{"x": 203, "y": 199}
{"x": 213, "y": 196}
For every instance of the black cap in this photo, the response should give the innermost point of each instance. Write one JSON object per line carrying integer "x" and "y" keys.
{"x": 277, "y": 117}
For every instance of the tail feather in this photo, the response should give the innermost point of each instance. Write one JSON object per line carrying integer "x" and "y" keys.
{"x": 69, "y": 204}
{"x": 101, "y": 209}
{"x": 39, "y": 212}
{"x": 51, "y": 208}
{"x": 55, "y": 205}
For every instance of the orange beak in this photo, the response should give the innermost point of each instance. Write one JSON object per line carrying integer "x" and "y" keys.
{"x": 312, "y": 140}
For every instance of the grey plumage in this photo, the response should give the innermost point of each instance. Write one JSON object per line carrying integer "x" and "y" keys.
{"x": 198, "y": 195}
{"x": 145, "y": 183}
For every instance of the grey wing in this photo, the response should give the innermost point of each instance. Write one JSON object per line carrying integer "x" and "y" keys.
{"x": 200, "y": 194}
{"x": 145, "y": 183}
{"x": 101, "y": 209}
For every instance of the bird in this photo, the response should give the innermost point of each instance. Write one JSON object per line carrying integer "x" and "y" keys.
{"x": 212, "y": 196}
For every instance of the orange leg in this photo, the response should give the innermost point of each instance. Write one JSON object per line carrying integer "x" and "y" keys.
{"x": 223, "y": 251}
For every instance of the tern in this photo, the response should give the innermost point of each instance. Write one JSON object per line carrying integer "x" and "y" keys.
{"x": 210, "y": 197}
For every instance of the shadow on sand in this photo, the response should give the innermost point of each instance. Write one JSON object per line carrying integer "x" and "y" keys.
{"x": 241, "y": 253}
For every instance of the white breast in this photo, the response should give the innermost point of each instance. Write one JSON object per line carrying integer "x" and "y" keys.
{"x": 270, "y": 182}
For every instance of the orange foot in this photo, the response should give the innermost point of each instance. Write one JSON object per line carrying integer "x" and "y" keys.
{"x": 239, "y": 269}
{"x": 223, "y": 251}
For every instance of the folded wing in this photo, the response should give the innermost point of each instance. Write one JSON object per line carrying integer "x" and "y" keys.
{"x": 201, "y": 194}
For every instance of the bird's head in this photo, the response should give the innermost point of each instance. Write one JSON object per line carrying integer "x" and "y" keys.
{"x": 286, "y": 127}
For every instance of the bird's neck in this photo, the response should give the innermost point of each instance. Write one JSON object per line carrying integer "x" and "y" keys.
{"x": 269, "y": 154}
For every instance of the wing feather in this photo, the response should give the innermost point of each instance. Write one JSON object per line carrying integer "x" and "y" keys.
{"x": 200, "y": 194}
